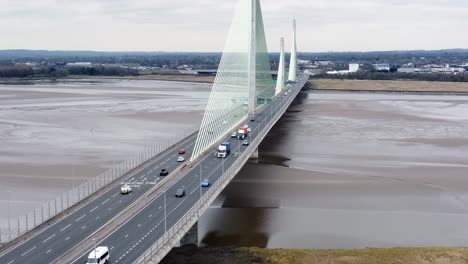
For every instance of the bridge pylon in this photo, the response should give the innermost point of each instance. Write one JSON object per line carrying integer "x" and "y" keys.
{"x": 243, "y": 81}
{"x": 280, "y": 81}
{"x": 293, "y": 63}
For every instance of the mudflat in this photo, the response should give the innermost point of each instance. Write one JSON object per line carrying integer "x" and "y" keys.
{"x": 57, "y": 134}
{"x": 395, "y": 86}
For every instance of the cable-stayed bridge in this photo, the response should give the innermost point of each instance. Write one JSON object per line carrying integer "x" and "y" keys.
{"x": 144, "y": 226}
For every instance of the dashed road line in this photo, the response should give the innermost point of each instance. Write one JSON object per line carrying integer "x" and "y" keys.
{"x": 28, "y": 251}
{"x": 48, "y": 238}
{"x": 81, "y": 217}
{"x": 93, "y": 209}
{"x": 61, "y": 230}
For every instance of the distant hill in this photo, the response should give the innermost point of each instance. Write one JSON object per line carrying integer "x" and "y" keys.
{"x": 12, "y": 54}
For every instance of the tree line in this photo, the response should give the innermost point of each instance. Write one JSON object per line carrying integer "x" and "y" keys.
{"x": 364, "y": 75}
{"x": 24, "y": 71}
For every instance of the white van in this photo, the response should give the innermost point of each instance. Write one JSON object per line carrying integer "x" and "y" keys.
{"x": 100, "y": 255}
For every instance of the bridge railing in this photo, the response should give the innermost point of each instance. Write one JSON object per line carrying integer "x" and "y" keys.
{"x": 164, "y": 244}
{"x": 21, "y": 225}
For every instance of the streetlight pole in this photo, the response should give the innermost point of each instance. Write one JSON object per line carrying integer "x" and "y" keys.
{"x": 9, "y": 218}
{"x": 73, "y": 183}
{"x": 95, "y": 246}
{"x": 165, "y": 214}
{"x": 201, "y": 191}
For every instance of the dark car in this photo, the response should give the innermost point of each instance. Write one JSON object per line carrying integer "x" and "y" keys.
{"x": 180, "y": 193}
{"x": 181, "y": 151}
{"x": 164, "y": 172}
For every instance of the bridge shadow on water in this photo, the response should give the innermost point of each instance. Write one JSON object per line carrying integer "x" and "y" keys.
{"x": 271, "y": 146}
{"x": 244, "y": 213}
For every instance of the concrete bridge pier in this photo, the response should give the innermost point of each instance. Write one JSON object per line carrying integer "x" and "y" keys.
{"x": 255, "y": 155}
{"x": 191, "y": 237}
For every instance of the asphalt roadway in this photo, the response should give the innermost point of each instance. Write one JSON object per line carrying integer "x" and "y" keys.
{"x": 62, "y": 236}
{"x": 131, "y": 240}
{"x": 128, "y": 242}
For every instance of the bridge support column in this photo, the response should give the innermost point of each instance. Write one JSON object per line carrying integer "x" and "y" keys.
{"x": 191, "y": 238}
{"x": 255, "y": 155}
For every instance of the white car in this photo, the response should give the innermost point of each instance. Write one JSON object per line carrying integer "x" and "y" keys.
{"x": 125, "y": 189}
{"x": 249, "y": 129}
{"x": 99, "y": 255}
{"x": 180, "y": 159}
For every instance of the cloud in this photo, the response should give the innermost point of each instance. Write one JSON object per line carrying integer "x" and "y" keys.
{"x": 183, "y": 25}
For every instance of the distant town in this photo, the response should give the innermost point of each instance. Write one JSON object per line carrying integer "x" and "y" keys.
{"x": 442, "y": 65}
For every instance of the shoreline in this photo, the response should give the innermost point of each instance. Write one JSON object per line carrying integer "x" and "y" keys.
{"x": 387, "y": 86}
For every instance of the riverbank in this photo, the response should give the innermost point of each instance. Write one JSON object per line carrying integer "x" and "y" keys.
{"x": 389, "y": 86}
{"x": 230, "y": 255}
{"x": 171, "y": 78}
{"x": 317, "y": 84}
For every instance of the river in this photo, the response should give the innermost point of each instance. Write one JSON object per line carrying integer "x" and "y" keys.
{"x": 352, "y": 170}
{"x": 339, "y": 170}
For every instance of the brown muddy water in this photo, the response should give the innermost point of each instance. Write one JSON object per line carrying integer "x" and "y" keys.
{"x": 57, "y": 134}
{"x": 352, "y": 170}
{"x": 340, "y": 169}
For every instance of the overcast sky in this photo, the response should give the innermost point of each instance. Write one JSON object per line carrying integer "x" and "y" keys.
{"x": 202, "y": 25}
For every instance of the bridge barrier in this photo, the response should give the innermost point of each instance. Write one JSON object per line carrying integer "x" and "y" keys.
{"x": 172, "y": 236}
{"x": 66, "y": 200}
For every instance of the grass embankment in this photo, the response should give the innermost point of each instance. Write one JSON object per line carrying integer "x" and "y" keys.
{"x": 364, "y": 256}
{"x": 393, "y": 86}
{"x": 231, "y": 255}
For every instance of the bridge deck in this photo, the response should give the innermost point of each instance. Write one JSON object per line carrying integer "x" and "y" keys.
{"x": 164, "y": 213}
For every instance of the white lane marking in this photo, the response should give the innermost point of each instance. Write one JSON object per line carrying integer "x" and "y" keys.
{"x": 48, "y": 238}
{"x": 126, "y": 236}
{"x": 97, "y": 218}
{"x": 111, "y": 248}
{"x": 105, "y": 201}
{"x": 67, "y": 238}
{"x": 139, "y": 225}
{"x": 28, "y": 251}
{"x": 11, "y": 262}
{"x": 48, "y": 251}
{"x": 114, "y": 195}
{"x": 81, "y": 217}
{"x": 61, "y": 230}
{"x": 83, "y": 227}
{"x": 93, "y": 209}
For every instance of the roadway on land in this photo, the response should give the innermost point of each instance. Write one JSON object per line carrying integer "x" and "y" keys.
{"x": 62, "y": 236}
{"x": 131, "y": 240}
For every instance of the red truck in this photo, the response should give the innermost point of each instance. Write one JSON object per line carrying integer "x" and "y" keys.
{"x": 242, "y": 134}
